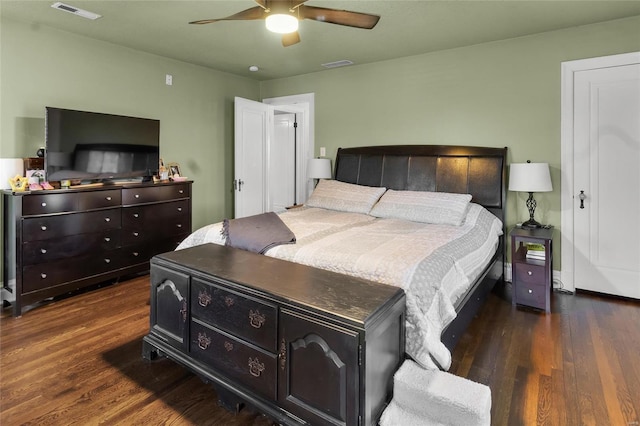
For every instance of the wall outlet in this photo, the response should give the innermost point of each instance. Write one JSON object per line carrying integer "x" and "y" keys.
{"x": 168, "y": 80}
{"x": 323, "y": 151}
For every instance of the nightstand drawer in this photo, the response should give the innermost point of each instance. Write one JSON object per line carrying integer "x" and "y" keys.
{"x": 530, "y": 274}
{"x": 534, "y": 295}
{"x": 244, "y": 317}
{"x": 256, "y": 369}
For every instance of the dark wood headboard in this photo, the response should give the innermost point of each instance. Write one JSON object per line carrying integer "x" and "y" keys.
{"x": 479, "y": 171}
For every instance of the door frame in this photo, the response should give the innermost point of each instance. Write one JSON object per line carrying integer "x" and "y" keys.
{"x": 567, "y": 192}
{"x": 305, "y": 102}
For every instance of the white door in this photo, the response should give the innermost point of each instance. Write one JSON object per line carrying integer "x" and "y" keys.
{"x": 252, "y": 134}
{"x": 282, "y": 162}
{"x": 606, "y": 160}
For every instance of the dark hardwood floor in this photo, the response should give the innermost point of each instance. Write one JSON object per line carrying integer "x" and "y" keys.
{"x": 77, "y": 360}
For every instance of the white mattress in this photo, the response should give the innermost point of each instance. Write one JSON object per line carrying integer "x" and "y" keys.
{"x": 434, "y": 264}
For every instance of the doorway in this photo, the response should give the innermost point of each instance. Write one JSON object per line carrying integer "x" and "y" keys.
{"x": 273, "y": 141}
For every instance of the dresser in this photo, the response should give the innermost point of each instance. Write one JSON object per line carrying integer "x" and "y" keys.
{"x": 61, "y": 240}
{"x": 300, "y": 344}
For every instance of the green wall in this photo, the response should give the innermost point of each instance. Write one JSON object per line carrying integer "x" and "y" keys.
{"x": 504, "y": 93}
{"x": 41, "y": 66}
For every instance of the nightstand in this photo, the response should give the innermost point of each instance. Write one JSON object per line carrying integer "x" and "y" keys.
{"x": 531, "y": 266}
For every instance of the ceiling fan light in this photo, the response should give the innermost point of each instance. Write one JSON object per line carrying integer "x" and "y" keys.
{"x": 282, "y": 23}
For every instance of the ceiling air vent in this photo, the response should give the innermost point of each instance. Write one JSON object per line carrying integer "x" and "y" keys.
{"x": 336, "y": 64}
{"x": 80, "y": 12}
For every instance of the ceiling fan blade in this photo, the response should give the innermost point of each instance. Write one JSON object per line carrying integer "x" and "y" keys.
{"x": 290, "y": 39}
{"x": 340, "y": 17}
{"x": 256, "y": 12}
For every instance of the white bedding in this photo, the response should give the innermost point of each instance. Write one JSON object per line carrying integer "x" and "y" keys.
{"x": 434, "y": 264}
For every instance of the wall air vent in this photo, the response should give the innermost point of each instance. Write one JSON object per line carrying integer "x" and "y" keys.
{"x": 80, "y": 12}
{"x": 336, "y": 64}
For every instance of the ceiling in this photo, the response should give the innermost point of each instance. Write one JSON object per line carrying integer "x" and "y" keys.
{"x": 405, "y": 28}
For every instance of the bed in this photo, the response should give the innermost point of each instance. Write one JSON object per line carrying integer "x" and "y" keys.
{"x": 447, "y": 256}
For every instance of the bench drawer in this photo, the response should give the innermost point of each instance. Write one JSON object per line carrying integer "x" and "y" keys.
{"x": 256, "y": 369}
{"x": 237, "y": 314}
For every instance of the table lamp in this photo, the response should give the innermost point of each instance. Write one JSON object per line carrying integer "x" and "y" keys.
{"x": 530, "y": 177}
{"x": 10, "y": 168}
{"x": 319, "y": 168}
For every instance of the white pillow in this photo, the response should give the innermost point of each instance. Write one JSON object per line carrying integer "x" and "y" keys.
{"x": 346, "y": 197}
{"x": 421, "y": 206}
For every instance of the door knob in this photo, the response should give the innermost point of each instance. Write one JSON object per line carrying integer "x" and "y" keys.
{"x": 582, "y": 197}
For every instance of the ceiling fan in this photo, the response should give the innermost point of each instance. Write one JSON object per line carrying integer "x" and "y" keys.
{"x": 282, "y": 16}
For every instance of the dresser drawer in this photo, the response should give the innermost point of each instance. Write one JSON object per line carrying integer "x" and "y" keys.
{"x": 527, "y": 273}
{"x": 154, "y": 194}
{"x": 534, "y": 295}
{"x": 99, "y": 199}
{"x": 239, "y": 315}
{"x": 45, "y": 275}
{"x": 150, "y": 216}
{"x": 49, "y": 203}
{"x": 235, "y": 359}
{"x": 43, "y": 251}
{"x": 42, "y": 228}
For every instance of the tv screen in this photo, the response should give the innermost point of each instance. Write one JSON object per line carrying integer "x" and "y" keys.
{"x": 91, "y": 146}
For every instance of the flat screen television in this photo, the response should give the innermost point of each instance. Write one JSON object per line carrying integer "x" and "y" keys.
{"x": 96, "y": 147}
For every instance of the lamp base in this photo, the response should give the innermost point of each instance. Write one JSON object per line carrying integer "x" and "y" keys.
{"x": 532, "y": 224}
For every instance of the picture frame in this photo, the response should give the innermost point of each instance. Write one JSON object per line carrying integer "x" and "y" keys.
{"x": 174, "y": 169}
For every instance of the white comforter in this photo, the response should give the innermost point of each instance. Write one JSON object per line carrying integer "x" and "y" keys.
{"x": 434, "y": 264}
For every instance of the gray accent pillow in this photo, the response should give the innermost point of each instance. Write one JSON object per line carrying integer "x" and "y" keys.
{"x": 346, "y": 197}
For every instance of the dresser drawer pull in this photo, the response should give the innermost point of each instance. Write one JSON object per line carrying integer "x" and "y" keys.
{"x": 44, "y": 204}
{"x": 107, "y": 219}
{"x": 203, "y": 341}
{"x": 530, "y": 291}
{"x": 255, "y": 367}
{"x": 179, "y": 209}
{"x": 44, "y": 228}
{"x": 229, "y": 301}
{"x": 136, "y": 215}
{"x": 43, "y": 250}
{"x": 181, "y": 191}
{"x": 256, "y": 319}
{"x": 179, "y": 225}
{"x": 107, "y": 239}
{"x": 137, "y": 196}
{"x": 135, "y": 234}
{"x": 228, "y": 346}
{"x": 529, "y": 273}
{"x": 107, "y": 261}
{"x": 108, "y": 198}
{"x": 282, "y": 354}
{"x": 204, "y": 298}
{"x": 136, "y": 254}
{"x": 43, "y": 275}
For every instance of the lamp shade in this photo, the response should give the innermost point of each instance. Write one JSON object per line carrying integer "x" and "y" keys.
{"x": 319, "y": 168}
{"x": 530, "y": 177}
{"x": 9, "y": 168}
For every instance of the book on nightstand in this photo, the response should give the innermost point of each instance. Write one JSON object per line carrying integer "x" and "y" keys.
{"x": 535, "y": 251}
